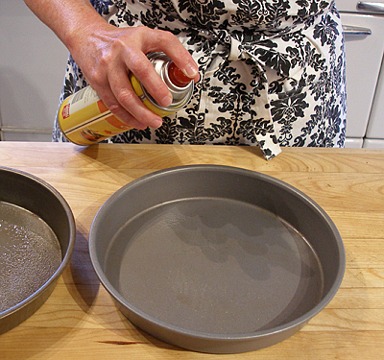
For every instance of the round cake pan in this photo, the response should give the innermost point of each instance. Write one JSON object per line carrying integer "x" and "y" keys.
{"x": 216, "y": 259}
{"x": 37, "y": 235}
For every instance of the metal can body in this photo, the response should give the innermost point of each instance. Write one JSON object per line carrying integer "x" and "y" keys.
{"x": 84, "y": 119}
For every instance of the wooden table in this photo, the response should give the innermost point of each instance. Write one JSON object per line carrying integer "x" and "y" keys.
{"x": 80, "y": 320}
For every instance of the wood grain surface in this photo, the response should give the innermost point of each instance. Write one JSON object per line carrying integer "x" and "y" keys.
{"x": 80, "y": 320}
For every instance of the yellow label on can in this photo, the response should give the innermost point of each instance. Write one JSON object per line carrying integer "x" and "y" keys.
{"x": 85, "y": 120}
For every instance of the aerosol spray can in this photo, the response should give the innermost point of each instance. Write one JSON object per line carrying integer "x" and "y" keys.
{"x": 85, "y": 120}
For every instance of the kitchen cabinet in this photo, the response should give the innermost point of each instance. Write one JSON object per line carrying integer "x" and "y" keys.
{"x": 32, "y": 65}
{"x": 375, "y": 131}
{"x": 364, "y": 50}
{"x": 363, "y": 24}
{"x": 374, "y": 7}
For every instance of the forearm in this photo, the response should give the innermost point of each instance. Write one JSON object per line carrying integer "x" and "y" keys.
{"x": 66, "y": 18}
{"x": 107, "y": 55}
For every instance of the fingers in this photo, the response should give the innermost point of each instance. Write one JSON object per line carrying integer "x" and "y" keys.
{"x": 115, "y": 89}
{"x": 113, "y": 53}
{"x": 138, "y": 63}
{"x": 172, "y": 47}
{"x": 144, "y": 71}
{"x": 123, "y": 97}
{"x": 128, "y": 104}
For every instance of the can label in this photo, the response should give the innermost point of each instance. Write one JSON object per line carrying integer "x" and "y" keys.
{"x": 84, "y": 119}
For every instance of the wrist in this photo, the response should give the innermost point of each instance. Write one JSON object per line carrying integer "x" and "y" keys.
{"x": 78, "y": 33}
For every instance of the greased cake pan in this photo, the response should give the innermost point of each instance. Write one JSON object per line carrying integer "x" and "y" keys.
{"x": 37, "y": 235}
{"x": 216, "y": 259}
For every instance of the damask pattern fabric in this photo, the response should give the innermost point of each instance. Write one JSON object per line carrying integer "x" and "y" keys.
{"x": 272, "y": 71}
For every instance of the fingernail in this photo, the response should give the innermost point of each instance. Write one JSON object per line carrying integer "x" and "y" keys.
{"x": 191, "y": 71}
{"x": 156, "y": 123}
{"x": 166, "y": 100}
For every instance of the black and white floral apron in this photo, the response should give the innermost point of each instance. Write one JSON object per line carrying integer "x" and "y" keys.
{"x": 272, "y": 71}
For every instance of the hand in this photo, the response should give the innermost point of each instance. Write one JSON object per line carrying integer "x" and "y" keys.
{"x": 106, "y": 54}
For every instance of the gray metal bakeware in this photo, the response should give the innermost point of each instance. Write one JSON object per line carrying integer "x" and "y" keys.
{"x": 216, "y": 259}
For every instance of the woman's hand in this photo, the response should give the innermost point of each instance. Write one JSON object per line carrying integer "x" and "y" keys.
{"x": 107, "y": 54}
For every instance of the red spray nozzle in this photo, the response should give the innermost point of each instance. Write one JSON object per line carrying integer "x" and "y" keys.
{"x": 177, "y": 77}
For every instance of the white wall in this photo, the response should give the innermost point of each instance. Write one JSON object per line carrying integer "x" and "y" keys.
{"x": 32, "y": 65}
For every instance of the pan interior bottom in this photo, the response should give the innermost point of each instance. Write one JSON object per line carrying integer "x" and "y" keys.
{"x": 29, "y": 254}
{"x": 214, "y": 265}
